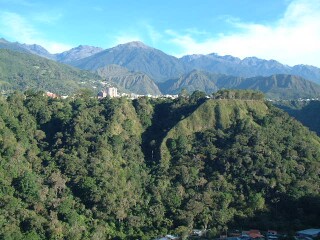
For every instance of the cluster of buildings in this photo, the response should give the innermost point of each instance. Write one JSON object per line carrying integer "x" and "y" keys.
{"x": 112, "y": 92}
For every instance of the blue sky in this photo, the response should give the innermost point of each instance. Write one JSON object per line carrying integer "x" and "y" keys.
{"x": 284, "y": 30}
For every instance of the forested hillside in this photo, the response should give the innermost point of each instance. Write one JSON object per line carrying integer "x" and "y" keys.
{"x": 23, "y": 71}
{"x": 85, "y": 168}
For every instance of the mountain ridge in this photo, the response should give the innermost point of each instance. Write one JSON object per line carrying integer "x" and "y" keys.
{"x": 279, "y": 86}
{"x": 230, "y": 65}
{"x": 136, "y": 57}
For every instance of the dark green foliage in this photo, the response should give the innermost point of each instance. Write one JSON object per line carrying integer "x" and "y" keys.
{"x": 120, "y": 169}
{"x": 238, "y": 94}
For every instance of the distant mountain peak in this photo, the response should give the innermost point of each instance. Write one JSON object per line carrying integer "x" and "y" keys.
{"x": 82, "y": 51}
{"x": 134, "y": 44}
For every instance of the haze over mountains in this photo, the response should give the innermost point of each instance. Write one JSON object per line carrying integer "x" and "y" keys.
{"x": 147, "y": 67}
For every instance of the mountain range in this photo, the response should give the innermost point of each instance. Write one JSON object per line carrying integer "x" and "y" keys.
{"x": 160, "y": 66}
{"x": 136, "y": 56}
{"x": 73, "y": 54}
{"x": 279, "y": 86}
{"x": 249, "y": 67}
{"x": 145, "y": 67}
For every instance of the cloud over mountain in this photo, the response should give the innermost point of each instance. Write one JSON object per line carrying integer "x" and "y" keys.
{"x": 292, "y": 39}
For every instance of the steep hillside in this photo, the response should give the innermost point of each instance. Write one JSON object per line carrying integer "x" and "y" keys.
{"x": 21, "y": 71}
{"x": 231, "y": 152}
{"x": 138, "y": 57}
{"x": 214, "y": 114}
{"x": 134, "y": 82}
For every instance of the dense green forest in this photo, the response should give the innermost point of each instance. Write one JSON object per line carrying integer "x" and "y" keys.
{"x": 83, "y": 168}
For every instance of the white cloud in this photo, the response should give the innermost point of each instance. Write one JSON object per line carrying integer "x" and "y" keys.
{"x": 154, "y": 35}
{"x": 14, "y": 26}
{"x": 17, "y": 28}
{"x": 143, "y": 32}
{"x": 293, "y": 39}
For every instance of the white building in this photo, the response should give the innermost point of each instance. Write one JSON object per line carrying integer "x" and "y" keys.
{"x": 109, "y": 92}
{"x": 112, "y": 92}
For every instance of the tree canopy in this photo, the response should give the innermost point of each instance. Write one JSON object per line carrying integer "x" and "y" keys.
{"x": 82, "y": 168}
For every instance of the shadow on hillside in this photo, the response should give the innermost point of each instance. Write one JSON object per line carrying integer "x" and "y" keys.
{"x": 166, "y": 116}
{"x": 308, "y": 115}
